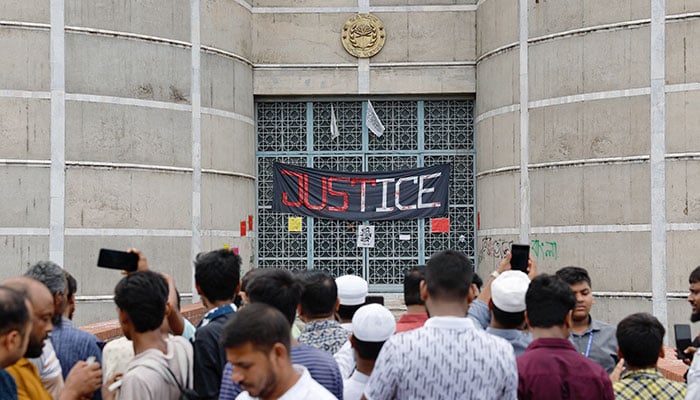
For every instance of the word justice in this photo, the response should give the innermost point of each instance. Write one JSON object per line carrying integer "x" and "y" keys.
{"x": 328, "y": 191}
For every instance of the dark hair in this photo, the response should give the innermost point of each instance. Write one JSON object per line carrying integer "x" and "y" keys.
{"x": 478, "y": 281}
{"x": 411, "y": 285}
{"x": 319, "y": 293}
{"x": 50, "y": 274}
{"x": 217, "y": 273}
{"x": 71, "y": 286}
{"x": 694, "y": 276}
{"x": 573, "y": 275}
{"x": 448, "y": 275}
{"x": 259, "y": 324}
{"x": 14, "y": 314}
{"x": 367, "y": 350}
{"x": 548, "y": 300}
{"x": 277, "y": 288}
{"x": 347, "y": 312}
{"x": 640, "y": 337}
{"x": 142, "y": 295}
{"x": 509, "y": 320}
{"x": 247, "y": 277}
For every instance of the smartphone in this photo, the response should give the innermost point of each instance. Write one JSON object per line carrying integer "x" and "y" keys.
{"x": 115, "y": 259}
{"x": 683, "y": 339}
{"x": 520, "y": 253}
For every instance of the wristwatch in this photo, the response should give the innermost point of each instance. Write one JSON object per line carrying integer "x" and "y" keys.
{"x": 495, "y": 274}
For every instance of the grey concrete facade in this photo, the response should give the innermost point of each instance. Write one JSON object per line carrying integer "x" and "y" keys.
{"x": 158, "y": 116}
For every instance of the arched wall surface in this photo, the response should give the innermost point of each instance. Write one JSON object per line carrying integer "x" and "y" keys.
{"x": 156, "y": 101}
{"x": 589, "y": 142}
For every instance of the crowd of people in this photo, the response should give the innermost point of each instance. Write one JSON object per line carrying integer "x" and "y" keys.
{"x": 515, "y": 335}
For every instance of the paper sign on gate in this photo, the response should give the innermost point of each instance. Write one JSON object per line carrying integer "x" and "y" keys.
{"x": 294, "y": 224}
{"x": 365, "y": 236}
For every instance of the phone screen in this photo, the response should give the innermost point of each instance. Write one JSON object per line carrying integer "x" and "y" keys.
{"x": 683, "y": 339}
{"x": 519, "y": 256}
{"x": 115, "y": 259}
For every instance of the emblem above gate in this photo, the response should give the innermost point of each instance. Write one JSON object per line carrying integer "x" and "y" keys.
{"x": 363, "y": 35}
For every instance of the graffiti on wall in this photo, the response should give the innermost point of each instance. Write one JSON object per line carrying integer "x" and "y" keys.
{"x": 498, "y": 248}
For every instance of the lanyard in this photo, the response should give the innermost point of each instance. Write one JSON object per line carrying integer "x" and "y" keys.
{"x": 590, "y": 342}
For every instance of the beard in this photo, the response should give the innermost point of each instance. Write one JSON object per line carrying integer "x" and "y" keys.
{"x": 34, "y": 348}
{"x": 695, "y": 317}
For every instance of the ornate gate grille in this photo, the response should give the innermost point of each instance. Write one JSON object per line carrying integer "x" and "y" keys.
{"x": 418, "y": 133}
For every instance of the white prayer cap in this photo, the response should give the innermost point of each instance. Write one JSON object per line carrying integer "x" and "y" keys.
{"x": 508, "y": 291}
{"x": 352, "y": 290}
{"x": 373, "y": 323}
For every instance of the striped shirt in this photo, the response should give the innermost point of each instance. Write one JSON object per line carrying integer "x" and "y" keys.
{"x": 447, "y": 358}
{"x": 321, "y": 366}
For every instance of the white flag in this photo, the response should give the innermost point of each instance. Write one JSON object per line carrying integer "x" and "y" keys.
{"x": 372, "y": 120}
{"x": 334, "y": 125}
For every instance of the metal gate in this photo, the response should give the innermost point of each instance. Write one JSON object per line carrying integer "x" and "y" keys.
{"x": 418, "y": 133}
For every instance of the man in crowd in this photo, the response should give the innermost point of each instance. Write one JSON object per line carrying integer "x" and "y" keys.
{"x": 83, "y": 379}
{"x": 51, "y": 275}
{"x": 693, "y": 377}
{"x": 319, "y": 301}
{"x": 372, "y": 325}
{"x": 257, "y": 341}
{"x": 455, "y": 358}
{"x": 551, "y": 368}
{"x": 640, "y": 337}
{"x": 352, "y": 294}
{"x": 15, "y": 327}
{"x": 141, "y": 298}
{"x": 279, "y": 289}
{"x": 507, "y": 307}
{"x": 217, "y": 279}
{"x": 415, "y": 315}
{"x": 72, "y": 288}
{"x": 592, "y": 338}
{"x": 72, "y": 344}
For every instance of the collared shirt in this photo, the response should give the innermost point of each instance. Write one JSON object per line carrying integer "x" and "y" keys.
{"x": 647, "y": 384}
{"x": 447, "y": 358}
{"x": 409, "y": 322}
{"x": 603, "y": 344}
{"x": 8, "y": 388}
{"x": 551, "y": 368}
{"x": 479, "y": 313}
{"x": 517, "y": 338}
{"x": 73, "y": 345}
{"x": 305, "y": 388}
{"x": 320, "y": 365}
{"x": 326, "y": 335}
{"x": 28, "y": 382}
{"x": 355, "y": 386}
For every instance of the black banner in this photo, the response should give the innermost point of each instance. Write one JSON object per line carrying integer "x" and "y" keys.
{"x": 406, "y": 194}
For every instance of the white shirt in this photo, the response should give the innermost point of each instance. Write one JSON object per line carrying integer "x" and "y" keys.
{"x": 305, "y": 388}
{"x": 345, "y": 357}
{"x": 447, "y": 358}
{"x": 693, "y": 392}
{"x": 355, "y": 386}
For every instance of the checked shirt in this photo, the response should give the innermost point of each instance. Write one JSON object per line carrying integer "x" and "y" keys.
{"x": 646, "y": 384}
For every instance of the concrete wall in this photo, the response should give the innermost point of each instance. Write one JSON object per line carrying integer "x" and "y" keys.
{"x": 136, "y": 125}
{"x": 589, "y": 139}
{"x": 298, "y": 51}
